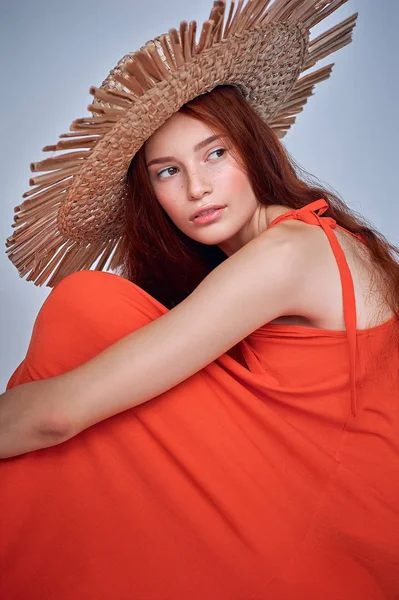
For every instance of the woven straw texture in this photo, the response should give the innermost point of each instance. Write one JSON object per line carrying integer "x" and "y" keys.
{"x": 73, "y": 218}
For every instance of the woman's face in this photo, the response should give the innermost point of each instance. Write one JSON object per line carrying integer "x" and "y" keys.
{"x": 189, "y": 169}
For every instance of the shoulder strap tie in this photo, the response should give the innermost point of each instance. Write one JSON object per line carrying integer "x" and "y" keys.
{"x": 311, "y": 214}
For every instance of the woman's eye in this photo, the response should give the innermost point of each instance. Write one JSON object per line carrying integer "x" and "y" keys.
{"x": 165, "y": 171}
{"x": 218, "y": 150}
{"x": 159, "y": 175}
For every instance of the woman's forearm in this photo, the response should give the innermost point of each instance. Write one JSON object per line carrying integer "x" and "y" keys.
{"x": 158, "y": 356}
{"x": 27, "y": 421}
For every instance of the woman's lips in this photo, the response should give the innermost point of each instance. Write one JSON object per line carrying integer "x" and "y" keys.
{"x": 211, "y": 216}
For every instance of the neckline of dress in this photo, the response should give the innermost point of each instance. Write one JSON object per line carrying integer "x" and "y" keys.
{"x": 331, "y": 332}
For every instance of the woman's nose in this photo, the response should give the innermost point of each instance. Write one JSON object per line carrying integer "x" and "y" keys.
{"x": 198, "y": 185}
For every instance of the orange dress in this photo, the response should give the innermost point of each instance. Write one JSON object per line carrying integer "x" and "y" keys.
{"x": 277, "y": 479}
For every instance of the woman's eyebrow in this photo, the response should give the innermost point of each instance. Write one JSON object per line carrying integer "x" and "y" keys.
{"x": 199, "y": 146}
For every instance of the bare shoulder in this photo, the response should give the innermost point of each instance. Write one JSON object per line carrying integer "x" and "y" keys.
{"x": 307, "y": 254}
{"x": 319, "y": 297}
{"x": 269, "y": 273}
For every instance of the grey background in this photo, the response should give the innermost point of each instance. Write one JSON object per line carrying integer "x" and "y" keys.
{"x": 52, "y": 52}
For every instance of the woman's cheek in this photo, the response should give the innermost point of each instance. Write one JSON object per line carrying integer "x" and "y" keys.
{"x": 169, "y": 205}
{"x": 237, "y": 180}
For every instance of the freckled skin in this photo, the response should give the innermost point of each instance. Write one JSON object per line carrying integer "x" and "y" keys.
{"x": 195, "y": 179}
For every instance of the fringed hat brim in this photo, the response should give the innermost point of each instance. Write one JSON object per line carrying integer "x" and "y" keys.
{"x": 74, "y": 216}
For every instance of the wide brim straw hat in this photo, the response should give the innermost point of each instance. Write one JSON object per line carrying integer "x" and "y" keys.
{"x": 74, "y": 215}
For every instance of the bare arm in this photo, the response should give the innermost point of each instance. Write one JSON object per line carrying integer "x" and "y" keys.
{"x": 22, "y": 427}
{"x": 257, "y": 284}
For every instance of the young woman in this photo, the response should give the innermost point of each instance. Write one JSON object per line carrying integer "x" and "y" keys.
{"x": 249, "y": 361}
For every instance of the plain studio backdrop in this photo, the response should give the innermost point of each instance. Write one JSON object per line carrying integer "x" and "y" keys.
{"x": 53, "y": 51}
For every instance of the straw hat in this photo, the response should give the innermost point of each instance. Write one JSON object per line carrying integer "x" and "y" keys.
{"x": 74, "y": 215}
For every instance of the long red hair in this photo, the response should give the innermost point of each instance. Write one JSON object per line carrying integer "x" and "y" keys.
{"x": 169, "y": 265}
